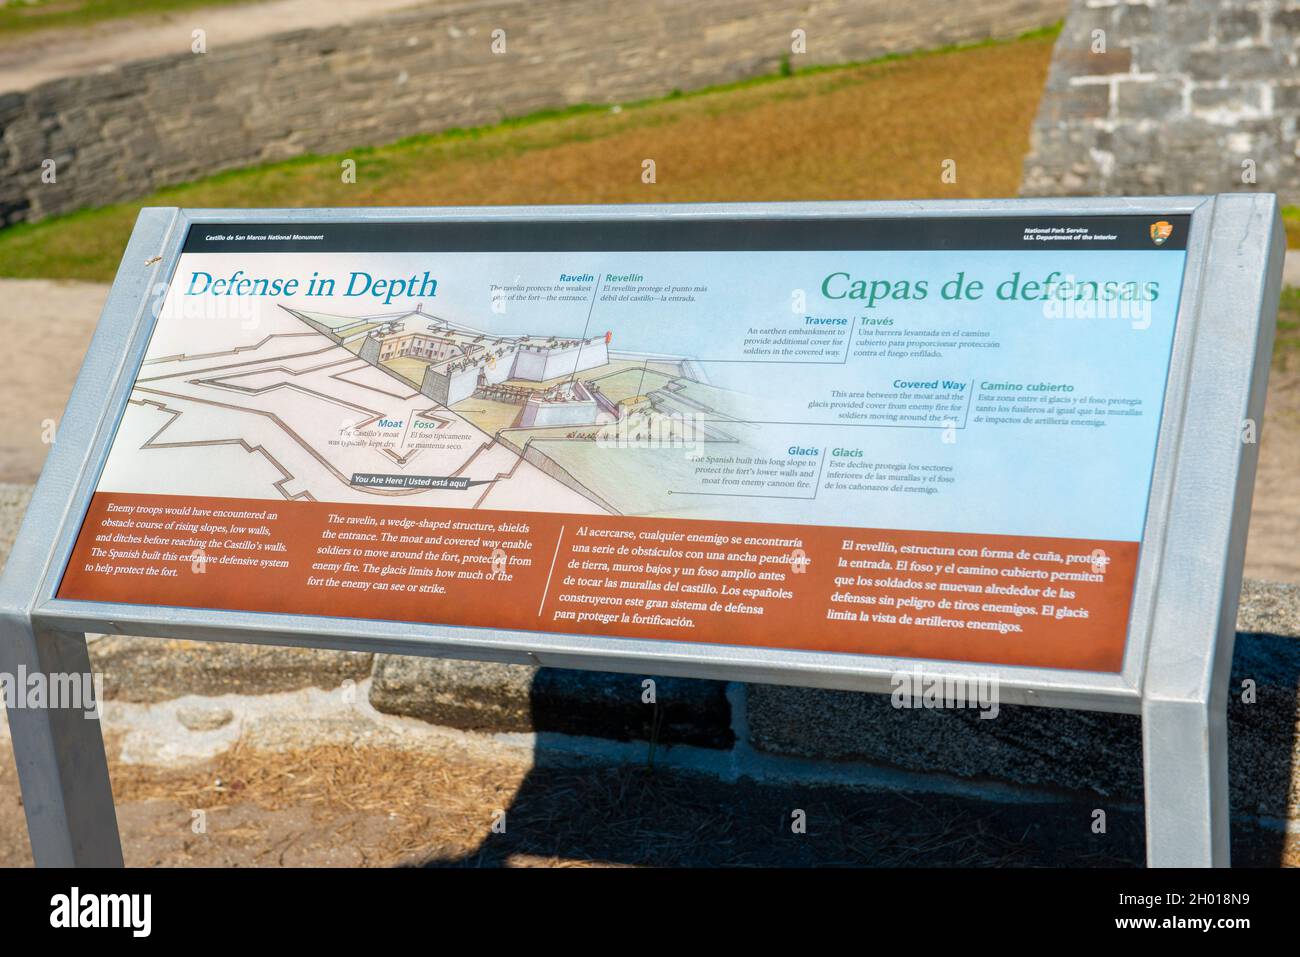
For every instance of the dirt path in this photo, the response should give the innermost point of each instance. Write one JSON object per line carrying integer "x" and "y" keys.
{"x": 1273, "y": 550}
{"x": 50, "y": 54}
{"x": 54, "y": 320}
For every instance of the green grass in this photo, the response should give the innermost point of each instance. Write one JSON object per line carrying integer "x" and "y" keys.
{"x": 881, "y": 130}
{"x": 18, "y": 18}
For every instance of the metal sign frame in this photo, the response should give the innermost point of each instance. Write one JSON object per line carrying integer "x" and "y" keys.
{"x": 1179, "y": 650}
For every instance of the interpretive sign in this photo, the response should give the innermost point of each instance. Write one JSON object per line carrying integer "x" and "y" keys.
{"x": 795, "y": 443}
{"x": 430, "y": 423}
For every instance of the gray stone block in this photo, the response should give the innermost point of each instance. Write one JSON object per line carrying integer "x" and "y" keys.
{"x": 204, "y": 717}
{"x": 1238, "y": 98}
{"x": 1286, "y": 96}
{"x": 1057, "y": 750}
{"x": 1241, "y": 63}
{"x": 473, "y": 695}
{"x": 1220, "y": 51}
{"x": 1155, "y": 99}
{"x": 1133, "y": 21}
{"x": 1269, "y": 607}
{"x": 484, "y": 696}
{"x": 158, "y": 669}
{"x": 1233, "y": 26}
{"x": 1077, "y": 102}
{"x": 597, "y": 703}
{"x": 1085, "y": 62}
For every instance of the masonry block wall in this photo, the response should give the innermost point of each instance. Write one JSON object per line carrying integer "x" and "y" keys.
{"x": 1170, "y": 96}
{"x": 119, "y": 134}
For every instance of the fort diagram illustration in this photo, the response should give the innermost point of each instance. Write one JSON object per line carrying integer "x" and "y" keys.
{"x": 530, "y": 422}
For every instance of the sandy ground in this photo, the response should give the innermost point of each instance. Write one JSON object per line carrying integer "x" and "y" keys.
{"x": 1273, "y": 549}
{"x": 55, "y": 320}
{"x": 63, "y": 315}
{"x": 49, "y": 54}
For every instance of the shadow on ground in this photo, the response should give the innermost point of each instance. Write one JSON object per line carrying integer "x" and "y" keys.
{"x": 655, "y": 816}
{"x": 647, "y": 817}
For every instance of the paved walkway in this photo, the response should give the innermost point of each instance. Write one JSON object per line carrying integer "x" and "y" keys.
{"x": 33, "y": 59}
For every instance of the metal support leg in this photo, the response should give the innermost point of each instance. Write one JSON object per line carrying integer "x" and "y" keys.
{"x": 60, "y": 755}
{"x": 1185, "y": 753}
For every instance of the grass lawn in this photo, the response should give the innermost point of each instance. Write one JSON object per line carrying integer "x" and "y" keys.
{"x": 880, "y": 130}
{"x": 18, "y": 18}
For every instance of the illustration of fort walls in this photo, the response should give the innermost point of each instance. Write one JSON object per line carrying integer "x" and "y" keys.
{"x": 577, "y": 407}
{"x": 457, "y": 359}
{"x": 530, "y": 362}
{"x": 537, "y": 364}
{"x": 340, "y": 332}
{"x": 452, "y": 387}
{"x": 369, "y": 350}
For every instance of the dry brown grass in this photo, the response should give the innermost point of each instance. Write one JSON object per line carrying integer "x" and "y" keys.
{"x": 422, "y": 801}
{"x": 874, "y": 132}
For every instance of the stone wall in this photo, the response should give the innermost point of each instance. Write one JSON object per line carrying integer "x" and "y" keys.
{"x": 1187, "y": 96}
{"x": 119, "y": 134}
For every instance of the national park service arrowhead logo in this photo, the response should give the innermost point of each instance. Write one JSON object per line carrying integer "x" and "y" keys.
{"x": 1161, "y": 231}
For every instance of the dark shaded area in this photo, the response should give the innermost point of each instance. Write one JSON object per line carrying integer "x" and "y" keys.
{"x": 639, "y": 816}
{"x": 1079, "y": 761}
{"x": 1048, "y": 749}
{"x": 645, "y": 817}
{"x": 601, "y": 704}
{"x": 1262, "y": 743}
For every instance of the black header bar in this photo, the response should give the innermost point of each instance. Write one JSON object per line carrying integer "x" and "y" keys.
{"x": 654, "y": 235}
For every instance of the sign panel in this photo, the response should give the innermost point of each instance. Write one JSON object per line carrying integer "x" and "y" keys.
{"x": 921, "y": 437}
